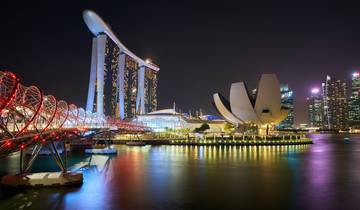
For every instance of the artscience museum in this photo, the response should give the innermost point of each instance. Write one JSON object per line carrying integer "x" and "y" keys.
{"x": 262, "y": 109}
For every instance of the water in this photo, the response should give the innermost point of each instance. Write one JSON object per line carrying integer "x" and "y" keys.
{"x": 325, "y": 175}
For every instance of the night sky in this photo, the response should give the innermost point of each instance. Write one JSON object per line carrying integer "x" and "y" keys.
{"x": 201, "y": 47}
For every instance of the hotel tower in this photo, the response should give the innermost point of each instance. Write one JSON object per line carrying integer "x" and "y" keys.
{"x": 121, "y": 84}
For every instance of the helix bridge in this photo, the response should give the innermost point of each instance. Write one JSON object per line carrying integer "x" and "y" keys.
{"x": 31, "y": 120}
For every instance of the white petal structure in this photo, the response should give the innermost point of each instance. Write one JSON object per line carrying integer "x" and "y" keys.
{"x": 265, "y": 109}
{"x": 223, "y": 107}
{"x": 241, "y": 104}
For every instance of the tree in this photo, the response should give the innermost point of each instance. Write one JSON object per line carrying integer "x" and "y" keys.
{"x": 202, "y": 128}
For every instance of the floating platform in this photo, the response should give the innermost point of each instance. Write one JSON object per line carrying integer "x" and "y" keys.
{"x": 43, "y": 179}
{"x": 106, "y": 150}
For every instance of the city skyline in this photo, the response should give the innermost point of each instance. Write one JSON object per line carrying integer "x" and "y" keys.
{"x": 179, "y": 105}
{"x": 335, "y": 105}
{"x": 260, "y": 41}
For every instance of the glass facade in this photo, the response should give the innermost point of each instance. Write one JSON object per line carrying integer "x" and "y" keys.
{"x": 160, "y": 123}
{"x": 118, "y": 86}
{"x": 335, "y": 104}
{"x": 315, "y": 109}
{"x": 111, "y": 63}
{"x": 150, "y": 90}
{"x": 130, "y": 86}
{"x": 287, "y": 100}
{"x": 354, "y": 100}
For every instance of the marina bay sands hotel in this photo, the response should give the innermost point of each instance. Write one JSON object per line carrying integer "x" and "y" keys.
{"x": 121, "y": 84}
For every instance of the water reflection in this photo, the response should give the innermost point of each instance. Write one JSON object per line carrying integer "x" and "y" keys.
{"x": 332, "y": 174}
{"x": 231, "y": 153}
{"x": 315, "y": 176}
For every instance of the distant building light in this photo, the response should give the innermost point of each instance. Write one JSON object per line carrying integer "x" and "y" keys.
{"x": 315, "y": 90}
{"x": 355, "y": 74}
{"x": 148, "y": 61}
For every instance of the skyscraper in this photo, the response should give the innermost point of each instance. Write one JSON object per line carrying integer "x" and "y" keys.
{"x": 354, "y": 100}
{"x": 121, "y": 84}
{"x": 315, "y": 108}
{"x": 287, "y": 100}
{"x": 335, "y": 104}
{"x": 150, "y": 90}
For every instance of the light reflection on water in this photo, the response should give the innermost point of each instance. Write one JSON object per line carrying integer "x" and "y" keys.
{"x": 323, "y": 175}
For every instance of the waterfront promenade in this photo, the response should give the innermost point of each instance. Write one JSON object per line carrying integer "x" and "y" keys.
{"x": 244, "y": 140}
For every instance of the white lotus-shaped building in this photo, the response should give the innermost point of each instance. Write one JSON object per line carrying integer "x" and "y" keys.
{"x": 263, "y": 109}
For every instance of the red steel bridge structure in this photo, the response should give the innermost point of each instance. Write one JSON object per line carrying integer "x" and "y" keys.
{"x": 30, "y": 120}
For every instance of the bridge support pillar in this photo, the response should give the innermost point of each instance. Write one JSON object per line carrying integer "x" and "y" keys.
{"x": 65, "y": 155}
{"x": 25, "y": 179}
{"x": 21, "y": 161}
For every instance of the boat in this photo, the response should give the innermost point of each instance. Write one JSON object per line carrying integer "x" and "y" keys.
{"x": 135, "y": 143}
{"x": 107, "y": 150}
{"x": 347, "y": 140}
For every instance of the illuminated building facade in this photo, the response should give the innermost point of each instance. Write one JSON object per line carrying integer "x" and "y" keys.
{"x": 266, "y": 111}
{"x": 315, "y": 108}
{"x": 111, "y": 61}
{"x": 169, "y": 119}
{"x": 130, "y": 86}
{"x": 150, "y": 90}
{"x": 335, "y": 104}
{"x": 287, "y": 101}
{"x": 354, "y": 100}
{"x": 121, "y": 84}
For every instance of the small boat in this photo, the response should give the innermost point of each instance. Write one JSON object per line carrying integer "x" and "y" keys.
{"x": 106, "y": 151}
{"x": 347, "y": 140}
{"x": 135, "y": 143}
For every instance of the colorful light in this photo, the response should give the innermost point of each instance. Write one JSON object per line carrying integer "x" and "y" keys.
{"x": 8, "y": 143}
{"x": 315, "y": 90}
{"x": 356, "y": 74}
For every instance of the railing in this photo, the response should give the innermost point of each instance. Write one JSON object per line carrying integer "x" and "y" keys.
{"x": 26, "y": 115}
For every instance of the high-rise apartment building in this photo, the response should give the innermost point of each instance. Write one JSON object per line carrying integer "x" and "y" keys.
{"x": 315, "y": 108}
{"x": 335, "y": 104}
{"x": 287, "y": 100}
{"x": 354, "y": 100}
